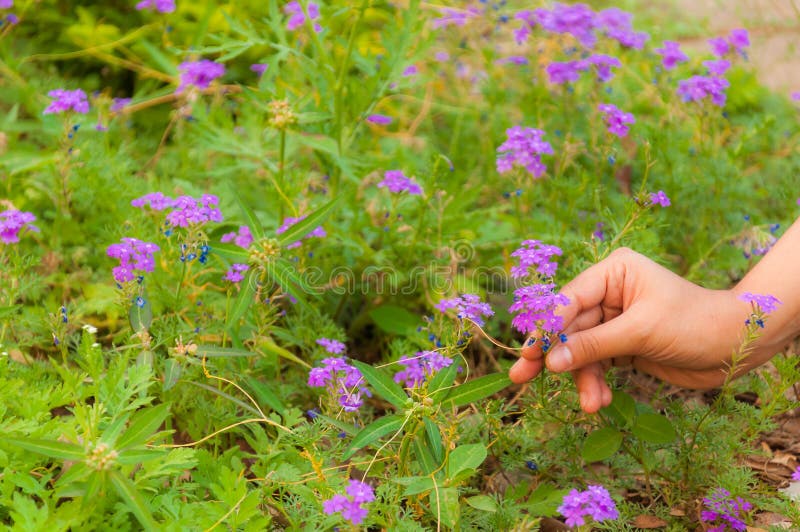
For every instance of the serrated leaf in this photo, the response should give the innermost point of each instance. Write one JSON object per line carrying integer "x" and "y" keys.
{"x": 464, "y": 457}
{"x": 477, "y": 389}
{"x": 133, "y": 499}
{"x": 654, "y": 428}
{"x": 482, "y": 502}
{"x": 394, "y": 319}
{"x": 374, "y": 432}
{"x": 601, "y": 444}
{"x": 49, "y": 448}
{"x": 143, "y": 424}
{"x": 382, "y": 384}
{"x": 622, "y": 408}
{"x": 309, "y": 223}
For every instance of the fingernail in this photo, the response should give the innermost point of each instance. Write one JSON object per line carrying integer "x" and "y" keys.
{"x": 559, "y": 359}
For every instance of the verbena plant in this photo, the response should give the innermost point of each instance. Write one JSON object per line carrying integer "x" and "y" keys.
{"x": 257, "y": 262}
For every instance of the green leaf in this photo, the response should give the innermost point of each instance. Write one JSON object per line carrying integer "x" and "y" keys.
{"x": 443, "y": 380}
{"x": 444, "y": 502}
{"x": 477, "y": 389}
{"x": 269, "y": 345}
{"x": 622, "y": 408}
{"x": 654, "y": 428}
{"x": 394, "y": 319}
{"x": 247, "y": 292}
{"x": 172, "y": 373}
{"x": 382, "y": 384}
{"x": 158, "y": 57}
{"x": 482, "y": 502}
{"x": 138, "y": 456}
{"x": 212, "y": 351}
{"x": 265, "y": 395}
{"x": 373, "y": 432}
{"x": 347, "y": 428}
{"x": 424, "y": 455}
{"x": 283, "y": 273}
{"x": 250, "y": 218}
{"x": 415, "y": 485}
{"x": 545, "y": 500}
{"x": 465, "y": 457}
{"x": 307, "y": 224}
{"x": 144, "y": 423}
{"x": 227, "y": 396}
{"x": 49, "y": 448}
{"x": 133, "y": 499}
{"x": 141, "y": 317}
{"x": 232, "y": 252}
{"x": 6, "y": 312}
{"x": 112, "y": 432}
{"x": 601, "y": 444}
{"x": 434, "y": 439}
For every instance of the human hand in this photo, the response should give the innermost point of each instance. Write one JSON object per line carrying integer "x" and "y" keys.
{"x": 627, "y": 309}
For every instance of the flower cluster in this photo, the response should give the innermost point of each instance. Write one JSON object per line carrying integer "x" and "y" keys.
{"x": 199, "y": 74}
{"x": 332, "y": 346}
{"x": 660, "y": 198}
{"x": 118, "y": 104}
{"x": 350, "y": 505}
{"x": 187, "y": 211}
{"x": 580, "y": 21}
{"x": 378, "y": 119}
{"x": 13, "y": 222}
{"x": 468, "y": 306}
{"x": 616, "y": 120}
{"x": 796, "y": 474}
{"x": 524, "y": 147}
{"x": 317, "y": 232}
{"x": 454, "y": 17}
{"x": 697, "y": 88}
{"x": 672, "y": 54}
{"x": 570, "y": 71}
{"x": 395, "y": 181}
{"x": 259, "y": 68}
{"x": 535, "y": 304}
{"x": 755, "y": 242}
{"x": 737, "y": 40}
{"x": 420, "y": 367}
{"x": 342, "y": 380}
{"x": 535, "y": 254}
{"x": 135, "y": 257}
{"x": 766, "y": 302}
{"x": 595, "y": 502}
{"x": 297, "y": 18}
{"x": 64, "y": 100}
{"x": 718, "y": 67}
{"x": 243, "y": 238}
{"x": 724, "y": 512}
{"x": 162, "y": 6}
{"x": 235, "y": 273}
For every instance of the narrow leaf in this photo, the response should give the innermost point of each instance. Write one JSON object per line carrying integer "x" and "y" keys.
{"x": 443, "y": 380}
{"x": 601, "y": 444}
{"x": 424, "y": 455}
{"x": 247, "y": 292}
{"x": 307, "y": 224}
{"x": 138, "y": 456}
{"x": 231, "y": 252}
{"x": 264, "y": 395}
{"x": 227, "y": 396}
{"x": 133, "y": 499}
{"x": 172, "y": 373}
{"x": 434, "y": 439}
{"x": 373, "y": 432}
{"x": 250, "y": 218}
{"x": 144, "y": 423}
{"x": 212, "y": 351}
{"x": 49, "y": 448}
{"x": 477, "y": 389}
{"x": 382, "y": 384}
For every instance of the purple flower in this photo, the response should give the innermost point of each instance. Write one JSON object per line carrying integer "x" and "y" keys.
{"x": 659, "y": 198}
{"x": 698, "y": 88}
{"x": 796, "y": 96}
{"x": 724, "y": 511}
{"x": 524, "y": 148}
{"x": 342, "y": 381}
{"x": 528, "y": 19}
{"x": 6, "y": 4}
{"x": 535, "y": 306}
{"x": 576, "y": 19}
{"x": 397, "y": 182}
{"x": 512, "y": 60}
{"x": 332, "y": 346}
{"x": 672, "y": 54}
{"x": 603, "y": 64}
{"x": 236, "y": 272}
{"x": 755, "y": 242}
{"x": 155, "y": 200}
{"x": 535, "y": 254}
{"x": 617, "y": 25}
{"x": 162, "y": 6}
{"x": 12, "y": 222}
{"x": 350, "y": 506}
{"x": 718, "y": 67}
{"x": 616, "y": 120}
{"x": 454, "y": 17}
{"x": 64, "y": 100}
{"x": 441, "y": 56}
{"x": 595, "y": 502}
{"x": 739, "y": 39}
{"x": 12, "y": 19}
{"x": 297, "y": 18}
{"x": 468, "y": 306}
{"x": 719, "y": 46}
{"x": 259, "y": 68}
{"x": 118, "y": 104}
{"x": 419, "y": 368}
{"x": 381, "y": 120}
{"x": 567, "y": 71}
{"x": 188, "y": 211}
{"x": 243, "y": 238}
{"x": 411, "y": 70}
{"x": 767, "y": 303}
{"x": 199, "y": 74}
{"x": 796, "y": 474}
{"x": 360, "y": 491}
{"x": 134, "y": 256}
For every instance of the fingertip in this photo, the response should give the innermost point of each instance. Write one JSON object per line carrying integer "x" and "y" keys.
{"x": 524, "y": 370}
{"x": 607, "y": 395}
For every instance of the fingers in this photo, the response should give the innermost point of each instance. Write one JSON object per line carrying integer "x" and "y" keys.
{"x": 524, "y": 370}
{"x": 585, "y": 320}
{"x": 619, "y": 337}
{"x": 593, "y": 391}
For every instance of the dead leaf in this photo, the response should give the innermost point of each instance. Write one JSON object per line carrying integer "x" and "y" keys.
{"x": 649, "y": 521}
{"x": 676, "y": 512}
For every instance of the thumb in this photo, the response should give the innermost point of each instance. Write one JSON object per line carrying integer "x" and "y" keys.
{"x": 617, "y": 337}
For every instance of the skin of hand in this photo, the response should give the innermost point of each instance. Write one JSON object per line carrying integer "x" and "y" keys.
{"x": 627, "y": 309}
